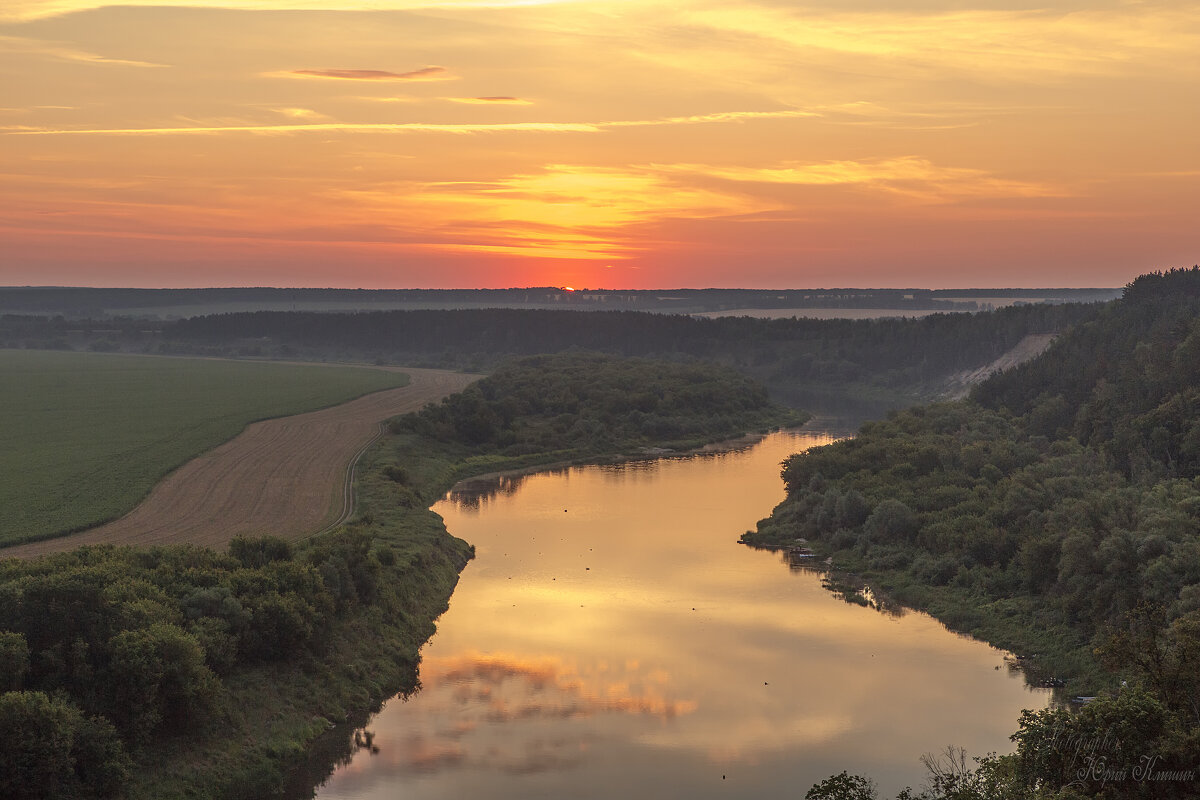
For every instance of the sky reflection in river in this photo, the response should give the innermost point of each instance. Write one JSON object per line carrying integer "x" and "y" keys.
{"x": 612, "y": 639}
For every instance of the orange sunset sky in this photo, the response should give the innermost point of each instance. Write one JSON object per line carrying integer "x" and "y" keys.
{"x": 614, "y": 143}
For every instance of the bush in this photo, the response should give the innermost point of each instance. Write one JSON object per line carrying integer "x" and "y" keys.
{"x": 891, "y": 521}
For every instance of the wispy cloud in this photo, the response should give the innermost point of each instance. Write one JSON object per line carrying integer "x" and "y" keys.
{"x": 566, "y": 211}
{"x": 327, "y": 127}
{"x": 562, "y": 211}
{"x": 582, "y": 198}
{"x": 720, "y": 116}
{"x": 388, "y": 99}
{"x": 64, "y": 52}
{"x": 424, "y": 127}
{"x": 301, "y": 113}
{"x": 1006, "y": 44}
{"x": 423, "y": 74}
{"x": 1173, "y": 173}
{"x": 484, "y": 101}
{"x": 36, "y": 9}
{"x": 910, "y": 176}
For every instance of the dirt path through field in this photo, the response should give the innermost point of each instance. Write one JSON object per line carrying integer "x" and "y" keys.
{"x": 286, "y": 476}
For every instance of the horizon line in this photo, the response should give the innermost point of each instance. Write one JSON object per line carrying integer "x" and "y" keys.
{"x": 574, "y": 289}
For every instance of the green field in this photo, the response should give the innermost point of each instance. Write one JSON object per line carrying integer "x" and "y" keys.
{"x": 84, "y": 436}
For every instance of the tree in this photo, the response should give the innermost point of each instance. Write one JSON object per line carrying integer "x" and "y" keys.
{"x": 1166, "y": 658}
{"x": 49, "y": 749}
{"x": 843, "y": 786}
{"x": 158, "y": 678}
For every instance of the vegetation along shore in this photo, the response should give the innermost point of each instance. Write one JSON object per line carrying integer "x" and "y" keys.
{"x": 1054, "y": 513}
{"x": 180, "y": 671}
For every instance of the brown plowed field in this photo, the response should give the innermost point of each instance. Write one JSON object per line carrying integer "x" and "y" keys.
{"x": 286, "y": 477}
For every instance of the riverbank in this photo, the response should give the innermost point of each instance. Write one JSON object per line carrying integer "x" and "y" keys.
{"x": 273, "y": 713}
{"x": 1051, "y": 658}
{"x": 608, "y": 610}
{"x": 485, "y": 480}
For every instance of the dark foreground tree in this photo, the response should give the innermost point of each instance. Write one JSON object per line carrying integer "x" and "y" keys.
{"x": 49, "y": 749}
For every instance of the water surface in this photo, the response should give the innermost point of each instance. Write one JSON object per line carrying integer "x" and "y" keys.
{"x": 612, "y": 639}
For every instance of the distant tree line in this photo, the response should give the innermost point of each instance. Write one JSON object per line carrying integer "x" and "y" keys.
{"x": 806, "y": 362}
{"x": 802, "y": 361}
{"x": 99, "y": 303}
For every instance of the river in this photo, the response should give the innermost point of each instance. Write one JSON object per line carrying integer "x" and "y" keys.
{"x": 612, "y": 639}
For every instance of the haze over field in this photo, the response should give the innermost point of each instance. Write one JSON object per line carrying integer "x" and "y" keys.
{"x": 632, "y": 144}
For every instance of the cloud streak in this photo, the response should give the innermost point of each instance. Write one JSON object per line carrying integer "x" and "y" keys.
{"x": 423, "y": 74}
{"x": 720, "y": 116}
{"x": 485, "y": 101}
{"x": 1008, "y": 45}
{"x": 326, "y": 127}
{"x": 21, "y": 10}
{"x": 562, "y": 211}
{"x": 62, "y": 52}
{"x": 300, "y": 114}
{"x": 424, "y": 127}
{"x": 909, "y": 175}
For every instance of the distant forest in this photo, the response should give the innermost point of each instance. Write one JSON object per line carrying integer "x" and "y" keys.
{"x": 858, "y": 366}
{"x": 92, "y": 303}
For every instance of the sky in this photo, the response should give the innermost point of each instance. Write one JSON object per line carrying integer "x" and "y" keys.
{"x": 599, "y": 143}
